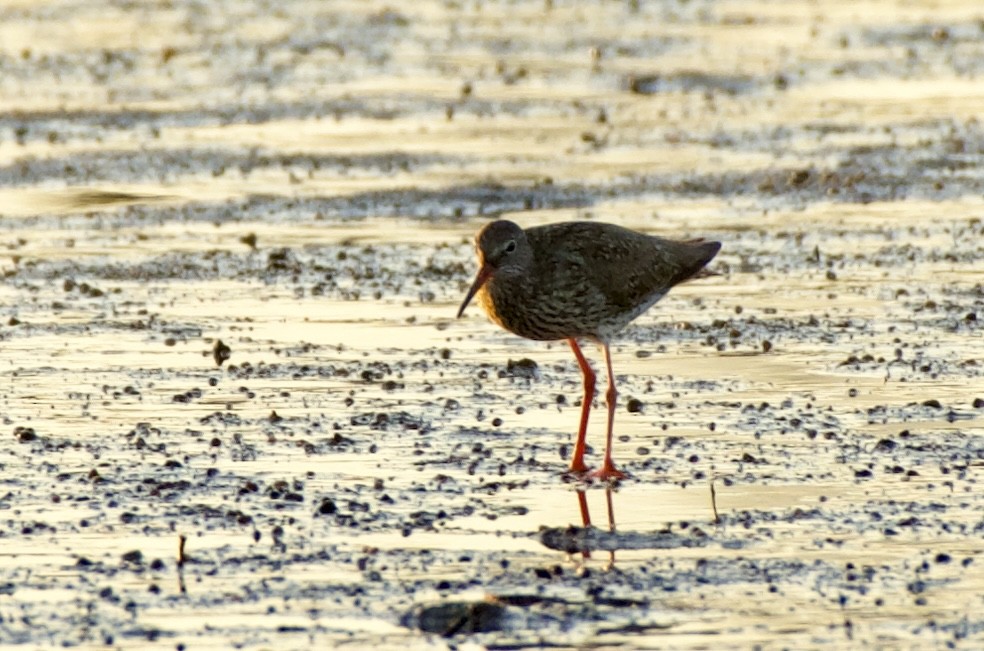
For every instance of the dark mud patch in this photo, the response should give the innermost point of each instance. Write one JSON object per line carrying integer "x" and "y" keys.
{"x": 939, "y": 167}
{"x": 166, "y": 164}
{"x": 451, "y": 203}
{"x": 587, "y": 539}
{"x": 64, "y": 127}
{"x": 691, "y": 82}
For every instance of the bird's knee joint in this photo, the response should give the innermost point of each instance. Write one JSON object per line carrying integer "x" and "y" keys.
{"x": 611, "y": 395}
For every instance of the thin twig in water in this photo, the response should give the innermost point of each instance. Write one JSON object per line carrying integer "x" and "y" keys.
{"x": 714, "y": 506}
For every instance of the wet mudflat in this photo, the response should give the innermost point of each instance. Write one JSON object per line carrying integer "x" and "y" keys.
{"x": 290, "y": 189}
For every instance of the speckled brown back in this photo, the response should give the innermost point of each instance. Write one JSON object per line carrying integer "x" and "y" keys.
{"x": 587, "y": 279}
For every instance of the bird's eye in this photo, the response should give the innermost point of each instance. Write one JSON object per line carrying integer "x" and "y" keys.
{"x": 511, "y": 246}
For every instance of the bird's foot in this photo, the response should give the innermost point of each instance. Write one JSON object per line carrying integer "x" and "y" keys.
{"x": 607, "y": 473}
{"x": 578, "y": 468}
{"x": 578, "y": 476}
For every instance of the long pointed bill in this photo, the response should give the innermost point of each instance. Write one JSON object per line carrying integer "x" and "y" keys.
{"x": 483, "y": 275}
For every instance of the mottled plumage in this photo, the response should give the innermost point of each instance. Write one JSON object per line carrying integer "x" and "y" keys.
{"x": 578, "y": 280}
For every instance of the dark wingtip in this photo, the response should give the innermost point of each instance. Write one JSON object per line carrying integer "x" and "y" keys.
{"x": 707, "y": 251}
{"x": 703, "y": 252}
{"x": 713, "y": 249}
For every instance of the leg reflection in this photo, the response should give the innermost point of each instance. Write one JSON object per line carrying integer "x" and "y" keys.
{"x": 582, "y": 503}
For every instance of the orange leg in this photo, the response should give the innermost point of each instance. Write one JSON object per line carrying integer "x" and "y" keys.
{"x": 608, "y": 470}
{"x": 577, "y": 462}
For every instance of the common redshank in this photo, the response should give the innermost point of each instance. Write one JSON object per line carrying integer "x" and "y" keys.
{"x": 578, "y": 280}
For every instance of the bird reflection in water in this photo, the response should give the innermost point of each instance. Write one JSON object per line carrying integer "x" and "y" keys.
{"x": 582, "y": 503}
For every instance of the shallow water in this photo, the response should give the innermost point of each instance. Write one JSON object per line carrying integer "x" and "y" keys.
{"x": 302, "y": 181}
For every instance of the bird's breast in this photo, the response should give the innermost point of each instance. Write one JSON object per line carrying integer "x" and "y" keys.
{"x": 543, "y": 316}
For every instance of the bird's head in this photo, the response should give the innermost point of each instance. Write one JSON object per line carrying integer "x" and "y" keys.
{"x": 502, "y": 249}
